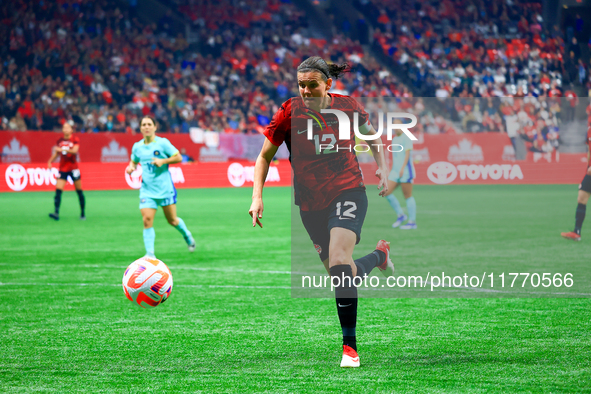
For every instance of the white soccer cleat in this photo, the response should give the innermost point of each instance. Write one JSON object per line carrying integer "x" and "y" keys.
{"x": 409, "y": 226}
{"x": 191, "y": 245}
{"x": 350, "y": 358}
{"x": 399, "y": 221}
{"x": 387, "y": 267}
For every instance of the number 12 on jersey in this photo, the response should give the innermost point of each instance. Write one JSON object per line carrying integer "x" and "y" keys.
{"x": 329, "y": 143}
{"x": 347, "y": 213}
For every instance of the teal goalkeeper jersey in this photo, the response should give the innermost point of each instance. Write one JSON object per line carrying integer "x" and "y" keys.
{"x": 156, "y": 182}
{"x": 398, "y": 157}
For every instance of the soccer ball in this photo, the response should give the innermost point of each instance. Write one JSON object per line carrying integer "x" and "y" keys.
{"x": 147, "y": 282}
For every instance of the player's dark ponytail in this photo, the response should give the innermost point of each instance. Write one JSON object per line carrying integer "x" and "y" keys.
{"x": 316, "y": 63}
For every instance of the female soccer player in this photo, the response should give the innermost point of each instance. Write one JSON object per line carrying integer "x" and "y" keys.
{"x": 403, "y": 174}
{"x": 583, "y": 197}
{"x": 155, "y": 154}
{"x": 67, "y": 149}
{"x": 328, "y": 185}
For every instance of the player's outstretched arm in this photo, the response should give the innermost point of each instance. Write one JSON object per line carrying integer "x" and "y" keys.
{"x": 382, "y": 172}
{"x": 261, "y": 169}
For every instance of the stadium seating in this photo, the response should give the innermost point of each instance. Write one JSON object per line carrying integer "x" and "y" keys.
{"x": 470, "y": 48}
{"x": 97, "y": 65}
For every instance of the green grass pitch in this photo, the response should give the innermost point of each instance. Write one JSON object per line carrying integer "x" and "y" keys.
{"x": 231, "y": 324}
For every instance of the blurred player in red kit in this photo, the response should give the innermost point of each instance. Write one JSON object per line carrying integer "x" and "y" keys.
{"x": 67, "y": 149}
{"x": 583, "y": 197}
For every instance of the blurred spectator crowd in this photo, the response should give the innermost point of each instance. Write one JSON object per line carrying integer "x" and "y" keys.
{"x": 476, "y": 48}
{"x": 95, "y": 64}
{"x": 535, "y": 120}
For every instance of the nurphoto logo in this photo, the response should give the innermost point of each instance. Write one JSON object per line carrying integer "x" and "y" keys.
{"x": 328, "y": 143}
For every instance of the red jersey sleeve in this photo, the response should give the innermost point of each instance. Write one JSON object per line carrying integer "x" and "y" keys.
{"x": 280, "y": 125}
{"x": 363, "y": 116}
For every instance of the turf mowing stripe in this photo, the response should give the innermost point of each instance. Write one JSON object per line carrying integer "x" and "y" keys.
{"x": 171, "y": 267}
{"x": 297, "y": 288}
{"x": 112, "y": 284}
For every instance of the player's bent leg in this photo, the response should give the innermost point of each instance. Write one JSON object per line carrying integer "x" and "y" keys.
{"x": 341, "y": 246}
{"x": 392, "y": 185}
{"x": 380, "y": 258}
{"x": 582, "y": 199}
{"x": 386, "y": 266}
{"x": 411, "y": 206}
{"x": 395, "y": 204}
{"x": 316, "y": 225}
{"x": 179, "y": 224}
{"x": 81, "y": 199}
{"x": 342, "y": 271}
{"x": 149, "y": 233}
{"x": 57, "y": 199}
{"x": 170, "y": 214}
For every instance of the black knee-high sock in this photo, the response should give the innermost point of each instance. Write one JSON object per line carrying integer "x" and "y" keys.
{"x": 579, "y": 217}
{"x": 346, "y": 299}
{"x": 368, "y": 262}
{"x": 57, "y": 200}
{"x": 82, "y": 201}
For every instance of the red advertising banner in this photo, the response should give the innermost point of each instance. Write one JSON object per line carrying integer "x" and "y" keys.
{"x": 35, "y": 146}
{"x": 486, "y": 158}
{"x": 112, "y": 176}
{"x": 482, "y": 158}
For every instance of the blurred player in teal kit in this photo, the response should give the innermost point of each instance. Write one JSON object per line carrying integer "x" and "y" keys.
{"x": 403, "y": 173}
{"x": 155, "y": 154}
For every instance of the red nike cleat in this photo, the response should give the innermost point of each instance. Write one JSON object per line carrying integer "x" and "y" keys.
{"x": 350, "y": 358}
{"x": 387, "y": 267}
{"x": 571, "y": 235}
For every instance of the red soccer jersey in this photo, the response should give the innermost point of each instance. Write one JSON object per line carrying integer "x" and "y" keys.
{"x": 320, "y": 175}
{"x": 68, "y": 160}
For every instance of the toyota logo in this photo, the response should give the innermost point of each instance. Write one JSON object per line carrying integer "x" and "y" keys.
{"x": 16, "y": 177}
{"x": 135, "y": 179}
{"x": 236, "y": 174}
{"x": 442, "y": 172}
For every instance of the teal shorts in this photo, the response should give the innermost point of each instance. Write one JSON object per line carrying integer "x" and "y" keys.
{"x": 154, "y": 203}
